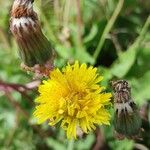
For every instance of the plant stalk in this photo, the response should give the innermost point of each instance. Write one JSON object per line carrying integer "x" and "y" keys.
{"x": 108, "y": 28}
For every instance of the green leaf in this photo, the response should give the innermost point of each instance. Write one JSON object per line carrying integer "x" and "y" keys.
{"x": 63, "y": 51}
{"x": 122, "y": 145}
{"x": 55, "y": 144}
{"x": 125, "y": 61}
{"x": 141, "y": 66}
{"x": 92, "y": 34}
{"x": 86, "y": 143}
{"x": 84, "y": 56}
{"x": 141, "y": 88}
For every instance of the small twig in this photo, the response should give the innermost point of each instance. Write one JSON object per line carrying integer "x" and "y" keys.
{"x": 120, "y": 30}
{"x": 33, "y": 85}
{"x": 9, "y": 87}
{"x": 116, "y": 44}
{"x": 12, "y": 86}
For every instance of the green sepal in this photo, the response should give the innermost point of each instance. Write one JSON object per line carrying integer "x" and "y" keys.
{"x": 35, "y": 49}
{"x": 128, "y": 124}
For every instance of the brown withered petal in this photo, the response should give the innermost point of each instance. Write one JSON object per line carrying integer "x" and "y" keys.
{"x": 35, "y": 50}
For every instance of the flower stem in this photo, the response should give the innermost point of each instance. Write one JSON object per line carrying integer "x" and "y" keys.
{"x": 144, "y": 30}
{"x": 70, "y": 144}
{"x": 108, "y": 28}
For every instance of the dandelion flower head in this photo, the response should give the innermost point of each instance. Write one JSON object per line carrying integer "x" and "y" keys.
{"x": 73, "y": 97}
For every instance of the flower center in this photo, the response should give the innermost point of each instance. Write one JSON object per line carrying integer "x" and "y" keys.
{"x": 74, "y": 103}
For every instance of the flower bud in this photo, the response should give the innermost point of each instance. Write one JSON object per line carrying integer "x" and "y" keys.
{"x": 35, "y": 50}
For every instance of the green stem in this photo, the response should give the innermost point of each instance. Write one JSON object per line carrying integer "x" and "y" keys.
{"x": 141, "y": 37}
{"x": 144, "y": 30}
{"x": 108, "y": 28}
{"x": 70, "y": 145}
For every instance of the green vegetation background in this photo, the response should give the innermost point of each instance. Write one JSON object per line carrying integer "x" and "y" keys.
{"x": 109, "y": 34}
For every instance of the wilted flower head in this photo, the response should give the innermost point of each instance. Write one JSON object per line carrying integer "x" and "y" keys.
{"x": 73, "y": 97}
{"x": 127, "y": 120}
{"x": 35, "y": 50}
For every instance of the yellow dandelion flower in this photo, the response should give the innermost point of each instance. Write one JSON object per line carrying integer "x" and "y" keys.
{"x": 74, "y": 97}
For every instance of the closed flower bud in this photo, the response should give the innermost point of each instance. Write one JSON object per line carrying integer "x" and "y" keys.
{"x": 35, "y": 50}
